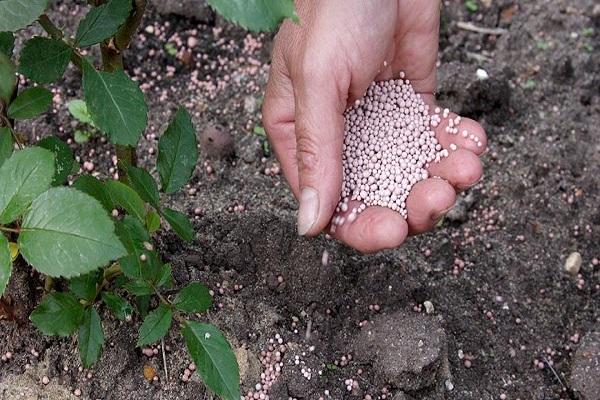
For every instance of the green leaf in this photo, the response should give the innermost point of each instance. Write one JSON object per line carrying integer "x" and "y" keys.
{"x": 155, "y": 325}
{"x": 472, "y": 5}
{"x": 127, "y": 198}
{"x": 23, "y": 177}
{"x": 194, "y": 298}
{"x": 7, "y": 43}
{"x": 44, "y": 60}
{"x": 177, "y": 152}
{"x": 8, "y": 79}
{"x": 81, "y": 137}
{"x": 165, "y": 276}
{"x": 152, "y": 221}
{"x": 95, "y": 188}
{"x": 139, "y": 288}
{"x": 58, "y": 314}
{"x": 215, "y": 362}
{"x": 63, "y": 158}
{"x": 5, "y": 263}
{"x": 102, "y": 22}
{"x": 17, "y": 14}
{"x": 117, "y": 305}
{"x": 132, "y": 234}
{"x": 90, "y": 338}
{"x": 147, "y": 270}
{"x": 144, "y": 184}
{"x": 84, "y": 286}
{"x": 6, "y": 144}
{"x": 180, "y": 224}
{"x": 68, "y": 233}
{"x": 256, "y": 15}
{"x": 30, "y": 103}
{"x": 116, "y": 104}
{"x": 79, "y": 111}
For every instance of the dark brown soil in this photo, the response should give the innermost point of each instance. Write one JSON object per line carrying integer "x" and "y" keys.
{"x": 510, "y": 306}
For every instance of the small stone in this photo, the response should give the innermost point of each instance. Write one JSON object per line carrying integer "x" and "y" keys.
{"x": 482, "y": 74}
{"x": 429, "y": 309}
{"x": 573, "y": 263}
{"x": 216, "y": 143}
{"x": 192, "y": 42}
{"x": 149, "y": 372}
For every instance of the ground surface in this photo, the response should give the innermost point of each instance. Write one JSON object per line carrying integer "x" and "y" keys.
{"x": 511, "y": 319}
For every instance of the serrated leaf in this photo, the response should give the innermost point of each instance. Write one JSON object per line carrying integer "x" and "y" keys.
{"x": 165, "y": 276}
{"x": 17, "y": 14}
{"x": 117, "y": 305}
{"x": 30, "y": 103}
{"x": 90, "y": 338}
{"x": 58, "y": 314}
{"x": 68, "y": 233}
{"x": 8, "y": 79}
{"x": 24, "y": 176}
{"x": 5, "y": 263}
{"x": 177, "y": 152}
{"x": 84, "y": 286}
{"x": 127, "y": 198}
{"x": 102, "y": 22}
{"x": 180, "y": 224}
{"x": 79, "y": 111}
{"x": 6, "y": 144}
{"x": 44, "y": 60}
{"x": 215, "y": 361}
{"x": 7, "y": 43}
{"x": 132, "y": 234}
{"x": 63, "y": 158}
{"x": 95, "y": 188}
{"x": 139, "y": 288}
{"x": 135, "y": 268}
{"x": 116, "y": 104}
{"x": 144, "y": 184}
{"x": 194, "y": 298}
{"x": 155, "y": 325}
{"x": 152, "y": 221}
{"x": 256, "y": 15}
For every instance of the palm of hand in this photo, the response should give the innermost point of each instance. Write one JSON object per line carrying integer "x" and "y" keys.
{"x": 316, "y": 74}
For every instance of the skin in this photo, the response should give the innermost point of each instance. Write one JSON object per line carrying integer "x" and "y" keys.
{"x": 323, "y": 64}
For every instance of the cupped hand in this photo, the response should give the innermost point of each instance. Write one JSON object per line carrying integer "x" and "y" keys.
{"x": 326, "y": 62}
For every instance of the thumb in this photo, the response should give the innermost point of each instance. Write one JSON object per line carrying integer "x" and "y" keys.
{"x": 319, "y": 138}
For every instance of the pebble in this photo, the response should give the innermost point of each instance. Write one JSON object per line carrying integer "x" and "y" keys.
{"x": 573, "y": 263}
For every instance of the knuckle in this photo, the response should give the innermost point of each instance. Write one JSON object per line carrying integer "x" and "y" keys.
{"x": 307, "y": 155}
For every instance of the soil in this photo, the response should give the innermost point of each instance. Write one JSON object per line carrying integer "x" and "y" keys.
{"x": 512, "y": 318}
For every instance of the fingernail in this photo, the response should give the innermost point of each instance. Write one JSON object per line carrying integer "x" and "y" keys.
{"x": 309, "y": 210}
{"x": 441, "y": 215}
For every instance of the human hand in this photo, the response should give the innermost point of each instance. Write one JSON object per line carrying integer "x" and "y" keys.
{"x": 325, "y": 63}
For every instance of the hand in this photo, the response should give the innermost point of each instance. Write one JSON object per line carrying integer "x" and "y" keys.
{"x": 325, "y": 63}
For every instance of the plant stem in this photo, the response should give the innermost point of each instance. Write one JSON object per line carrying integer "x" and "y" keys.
{"x": 56, "y": 33}
{"x": 11, "y": 230}
{"x": 49, "y": 27}
{"x": 125, "y": 35}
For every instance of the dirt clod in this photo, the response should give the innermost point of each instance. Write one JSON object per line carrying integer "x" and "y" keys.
{"x": 408, "y": 350}
{"x": 585, "y": 376}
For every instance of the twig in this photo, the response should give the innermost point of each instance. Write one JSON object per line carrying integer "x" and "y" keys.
{"x": 162, "y": 344}
{"x": 308, "y": 329}
{"x": 469, "y": 26}
{"x": 555, "y": 374}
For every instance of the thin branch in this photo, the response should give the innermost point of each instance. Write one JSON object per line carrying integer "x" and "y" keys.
{"x": 164, "y": 357}
{"x": 49, "y": 27}
{"x": 11, "y": 230}
{"x": 469, "y": 26}
{"x": 125, "y": 35}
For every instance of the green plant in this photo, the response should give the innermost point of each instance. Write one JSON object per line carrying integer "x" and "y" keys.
{"x": 98, "y": 235}
{"x": 472, "y": 5}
